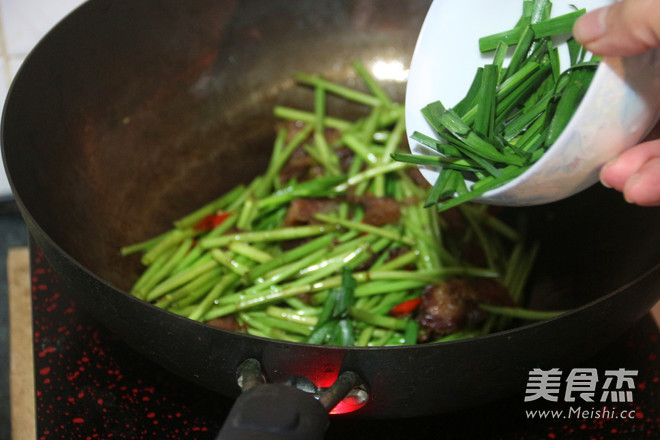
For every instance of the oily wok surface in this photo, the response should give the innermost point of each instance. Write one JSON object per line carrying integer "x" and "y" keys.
{"x": 129, "y": 115}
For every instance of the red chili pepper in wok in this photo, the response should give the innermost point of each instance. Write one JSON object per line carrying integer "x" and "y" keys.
{"x": 212, "y": 221}
{"x": 406, "y": 307}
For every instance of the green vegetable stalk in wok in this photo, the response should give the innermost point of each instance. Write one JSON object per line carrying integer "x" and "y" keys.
{"x": 332, "y": 243}
{"x": 511, "y": 114}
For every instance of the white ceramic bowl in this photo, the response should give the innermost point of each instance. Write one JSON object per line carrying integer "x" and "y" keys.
{"x": 621, "y": 105}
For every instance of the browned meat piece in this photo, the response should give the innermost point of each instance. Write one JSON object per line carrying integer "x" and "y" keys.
{"x": 444, "y": 308}
{"x": 332, "y": 136}
{"x": 379, "y": 211}
{"x": 345, "y": 156}
{"x": 416, "y": 176}
{"x": 292, "y": 128}
{"x": 301, "y": 211}
{"x": 225, "y": 323}
{"x": 300, "y": 166}
{"x": 452, "y": 305}
{"x": 473, "y": 253}
{"x": 489, "y": 291}
{"x": 397, "y": 252}
{"x": 454, "y": 220}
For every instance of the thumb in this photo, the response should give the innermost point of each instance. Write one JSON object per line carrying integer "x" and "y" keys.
{"x": 625, "y": 28}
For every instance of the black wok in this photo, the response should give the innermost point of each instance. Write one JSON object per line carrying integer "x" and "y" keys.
{"x": 130, "y": 114}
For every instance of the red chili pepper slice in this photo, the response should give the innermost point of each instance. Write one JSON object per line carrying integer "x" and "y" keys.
{"x": 405, "y": 307}
{"x": 212, "y": 221}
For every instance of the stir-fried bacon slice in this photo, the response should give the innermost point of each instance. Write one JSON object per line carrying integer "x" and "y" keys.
{"x": 345, "y": 156}
{"x": 417, "y": 177}
{"x": 226, "y": 323}
{"x": 301, "y": 166}
{"x": 453, "y": 305}
{"x": 301, "y": 211}
{"x": 379, "y": 211}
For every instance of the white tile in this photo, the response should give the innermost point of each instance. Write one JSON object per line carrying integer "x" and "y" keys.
{"x": 4, "y": 87}
{"x": 15, "y": 62}
{"x": 5, "y": 189}
{"x": 5, "y": 76}
{"x": 25, "y": 22}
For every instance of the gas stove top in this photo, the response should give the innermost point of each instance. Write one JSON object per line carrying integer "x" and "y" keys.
{"x": 89, "y": 384}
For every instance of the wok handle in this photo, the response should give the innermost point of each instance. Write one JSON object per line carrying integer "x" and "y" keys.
{"x": 275, "y": 412}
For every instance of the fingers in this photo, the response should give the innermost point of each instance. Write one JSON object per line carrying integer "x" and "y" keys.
{"x": 625, "y": 28}
{"x": 636, "y": 173}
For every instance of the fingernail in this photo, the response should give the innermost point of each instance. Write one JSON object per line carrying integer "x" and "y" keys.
{"x": 602, "y": 173}
{"x": 591, "y": 26}
{"x": 630, "y": 184}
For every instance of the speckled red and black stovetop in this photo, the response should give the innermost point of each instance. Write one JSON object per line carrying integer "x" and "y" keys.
{"x": 89, "y": 385}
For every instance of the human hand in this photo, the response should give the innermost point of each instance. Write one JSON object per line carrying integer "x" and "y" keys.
{"x": 627, "y": 28}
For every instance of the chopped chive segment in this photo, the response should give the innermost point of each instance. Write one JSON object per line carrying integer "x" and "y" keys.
{"x": 484, "y": 123}
{"x": 522, "y": 49}
{"x": 542, "y": 29}
{"x": 516, "y": 312}
{"x": 470, "y": 98}
{"x": 441, "y": 161}
{"x": 570, "y": 98}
